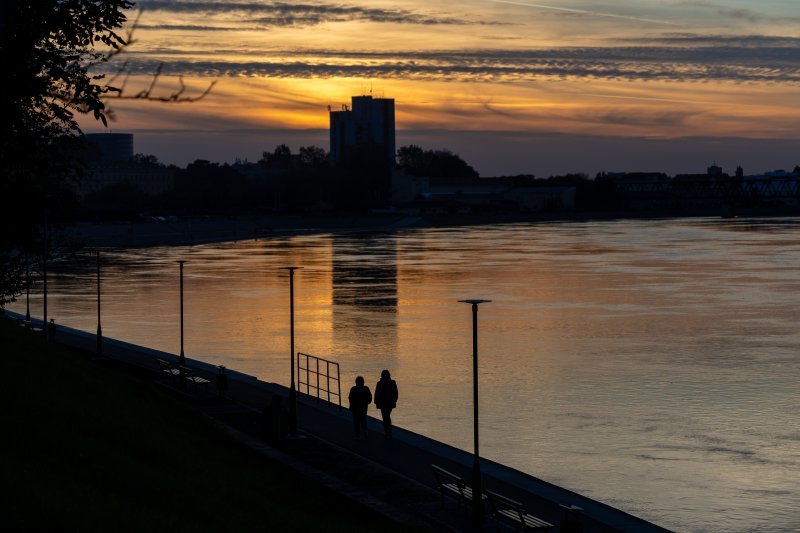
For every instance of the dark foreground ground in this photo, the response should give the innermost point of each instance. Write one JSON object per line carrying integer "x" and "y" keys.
{"x": 95, "y": 446}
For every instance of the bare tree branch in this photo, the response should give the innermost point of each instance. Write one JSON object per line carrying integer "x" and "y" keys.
{"x": 111, "y": 92}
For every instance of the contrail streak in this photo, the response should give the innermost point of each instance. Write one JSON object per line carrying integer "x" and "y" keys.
{"x": 646, "y": 98}
{"x": 585, "y": 12}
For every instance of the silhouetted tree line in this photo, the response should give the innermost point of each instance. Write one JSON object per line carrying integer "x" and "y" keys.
{"x": 434, "y": 164}
{"x": 280, "y": 182}
{"x": 283, "y": 182}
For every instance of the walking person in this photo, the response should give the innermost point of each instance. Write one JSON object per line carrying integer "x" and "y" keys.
{"x": 360, "y": 397}
{"x": 386, "y": 400}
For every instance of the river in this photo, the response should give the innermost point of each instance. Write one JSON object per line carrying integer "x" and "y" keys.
{"x": 653, "y": 365}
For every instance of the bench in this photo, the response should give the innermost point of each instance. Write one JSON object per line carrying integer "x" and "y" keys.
{"x": 451, "y": 485}
{"x": 187, "y": 374}
{"x": 27, "y": 324}
{"x": 183, "y": 374}
{"x": 169, "y": 369}
{"x": 513, "y": 513}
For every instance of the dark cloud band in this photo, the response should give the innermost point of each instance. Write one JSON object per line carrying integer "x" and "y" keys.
{"x": 290, "y": 14}
{"x": 735, "y": 41}
{"x": 775, "y": 64}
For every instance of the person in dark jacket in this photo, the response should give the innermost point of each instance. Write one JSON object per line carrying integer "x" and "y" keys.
{"x": 360, "y": 397}
{"x": 386, "y": 400}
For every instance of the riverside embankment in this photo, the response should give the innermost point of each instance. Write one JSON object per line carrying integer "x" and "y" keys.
{"x": 391, "y": 476}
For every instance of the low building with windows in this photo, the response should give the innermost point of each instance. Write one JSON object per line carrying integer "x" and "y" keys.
{"x": 110, "y": 160}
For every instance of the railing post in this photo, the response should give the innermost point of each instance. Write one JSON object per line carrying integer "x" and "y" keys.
{"x": 317, "y": 378}
{"x": 328, "y": 378}
{"x": 299, "y": 367}
{"x": 339, "y": 385}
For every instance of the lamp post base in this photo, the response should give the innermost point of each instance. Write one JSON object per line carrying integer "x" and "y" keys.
{"x": 477, "y": 495}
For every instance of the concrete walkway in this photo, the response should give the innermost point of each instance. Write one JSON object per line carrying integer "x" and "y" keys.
{"x": 393, "y": 476}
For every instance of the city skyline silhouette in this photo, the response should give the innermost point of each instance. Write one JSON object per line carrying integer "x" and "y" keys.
{"x": 521, "y": 87}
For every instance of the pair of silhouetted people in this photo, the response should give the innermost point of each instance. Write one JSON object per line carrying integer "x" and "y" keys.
{"x": 385, "y": 399}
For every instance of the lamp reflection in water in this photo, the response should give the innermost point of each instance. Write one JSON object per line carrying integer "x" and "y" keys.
{"x": 477, "y": 489}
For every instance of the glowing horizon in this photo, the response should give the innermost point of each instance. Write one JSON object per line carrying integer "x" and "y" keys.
{"x": 628, "y": 70}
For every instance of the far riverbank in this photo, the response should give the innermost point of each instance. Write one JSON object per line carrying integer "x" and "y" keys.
{"x": 176, "y": 231}
{"x": 173, "y": 231}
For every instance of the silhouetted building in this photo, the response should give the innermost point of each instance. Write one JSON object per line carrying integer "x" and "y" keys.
{"x": 368, "y": 124}
{"x": 152, "y": 180}
{"x": 109, "y": 160}
{"x": 542, "y": 199}
{"x": 644, "y": 190}
{"x": 489, "y": 195}
{"x": 407, "y": 188}
{"x": 714, "y": 170}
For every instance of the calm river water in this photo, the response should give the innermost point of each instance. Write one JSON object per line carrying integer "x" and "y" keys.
{"x": 652, "y": 365}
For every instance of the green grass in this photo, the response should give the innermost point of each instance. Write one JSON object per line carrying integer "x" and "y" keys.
{"x": 85, "y": 447}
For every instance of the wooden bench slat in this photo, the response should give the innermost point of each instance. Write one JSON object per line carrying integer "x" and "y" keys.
{"x": 530, "y": 520}
{"x": 175, "y": 371}
{"x": 452, "y": 485}
{"x": 188, "y": 374}
{"x": 168, "y": 368}
{"x": 513, "y": 511}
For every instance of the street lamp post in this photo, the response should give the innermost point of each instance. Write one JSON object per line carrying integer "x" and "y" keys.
{"x": 183, "y": 357}
{"x": 99, "y": 327}
{"x": 477, "y": 489}
{"x": 292, "y": 390}
{"x": 45, "y": 329}
{"x": 27, "y": 289}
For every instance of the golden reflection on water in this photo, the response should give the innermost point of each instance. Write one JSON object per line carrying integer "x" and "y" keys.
{"x": 649, "y": 364}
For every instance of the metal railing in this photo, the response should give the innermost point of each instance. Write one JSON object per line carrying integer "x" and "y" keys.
{"x": 319, "y": 375}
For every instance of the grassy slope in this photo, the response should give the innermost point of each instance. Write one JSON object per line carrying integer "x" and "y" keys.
{"x": 85, "y": 447}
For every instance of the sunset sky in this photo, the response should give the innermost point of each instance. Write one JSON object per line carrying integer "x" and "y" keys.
{"x": 512, "y": 86}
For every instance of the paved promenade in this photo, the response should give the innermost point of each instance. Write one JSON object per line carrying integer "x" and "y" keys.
{"x": 393, "y": 476}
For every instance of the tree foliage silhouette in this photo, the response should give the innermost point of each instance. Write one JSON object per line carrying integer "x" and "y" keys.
{"x": 50, "y": 52}
{"x": 47, "y": 48}
{"x": 433, "y": 163}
